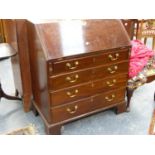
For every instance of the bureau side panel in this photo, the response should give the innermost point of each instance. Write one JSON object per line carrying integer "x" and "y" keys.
{"x": 24, "y": 63}
{"x": 38, "y": 71}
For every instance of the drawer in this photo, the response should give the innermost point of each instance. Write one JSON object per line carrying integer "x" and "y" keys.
{"x": 109, "y": 98}
{"x": 71, "y": 110}
{"x": 111, "y": 83}
{"x": 79, "y": 92}
{"x": 72, "y": 65}
{"x": 85, "y": 106}
{"x": 70, "y": 94}
{"x": 112, "y": 57}
{"x": 110, "y": 70}
{"x": 67, "y": 80}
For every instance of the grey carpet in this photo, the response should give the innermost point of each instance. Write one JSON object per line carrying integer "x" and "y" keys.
{"x": 136, "y": 122}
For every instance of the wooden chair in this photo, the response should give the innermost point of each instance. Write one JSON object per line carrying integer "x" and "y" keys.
{"x": 141, "y": 30}
{"x": 147, "y": 31}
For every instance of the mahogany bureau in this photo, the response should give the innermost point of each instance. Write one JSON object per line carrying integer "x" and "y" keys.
{"x": 78, "y": 67}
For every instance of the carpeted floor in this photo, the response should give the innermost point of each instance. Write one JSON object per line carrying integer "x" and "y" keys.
{"x": 136, "y": 122}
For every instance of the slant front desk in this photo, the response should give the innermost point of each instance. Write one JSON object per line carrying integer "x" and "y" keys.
{"x": 78, "y": 67}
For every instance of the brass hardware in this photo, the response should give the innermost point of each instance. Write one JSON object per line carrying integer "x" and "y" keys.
{"x": 112, "y": 58}
{"x": 109, "y": 99}
{"x": 110, "y": 84}
{"x": 112, "y": 70}
{"x": 72, "y": 94}
{"x": 72, "y": 111}
{"x": 71, "y": 80}
{"x": 70, "y": 66}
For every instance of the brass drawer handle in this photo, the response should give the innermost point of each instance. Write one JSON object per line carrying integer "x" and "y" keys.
{"x": 71, "y": 80}
{"x": 70, "y": 66}
{"x": 72, "y": 111}
{"x": 114, "y": 58}
{"x": 110, "y": 84}
{"x": 112, "y": 69}
{"x": 72, "y": 94}
{"x": 109, "y": 99}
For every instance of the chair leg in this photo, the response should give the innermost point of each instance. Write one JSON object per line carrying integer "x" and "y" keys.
{"x": 129, "y": 95}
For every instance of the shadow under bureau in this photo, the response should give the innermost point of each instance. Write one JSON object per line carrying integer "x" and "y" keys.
{"x": 78, "y": 67}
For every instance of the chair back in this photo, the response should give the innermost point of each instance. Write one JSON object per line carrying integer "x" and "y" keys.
{"x": 146, "y": 32}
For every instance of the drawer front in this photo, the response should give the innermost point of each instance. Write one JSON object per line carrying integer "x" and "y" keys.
{"x": 109, "y": 98}
{"x": 67, "y": 80}
{"x": 78, "y": 108}
{"x": 111, "y": 83}
{"x": 110, "y": 70}
{"x": 71, "y": 110}
{"x": 72, "y": 65}
{"x": 70, "y": 94}
{"x": 112, "y": 57}
{"x": 79, "y": 92}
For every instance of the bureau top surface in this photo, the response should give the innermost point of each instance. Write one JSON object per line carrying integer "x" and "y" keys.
{"x": 62, "y": 38}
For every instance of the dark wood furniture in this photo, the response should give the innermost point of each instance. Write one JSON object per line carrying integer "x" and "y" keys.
{"x": 136, "y": 29}
{"x": 147, "y": 31}
{"x": 6, "y": 51}
{"x": 15, "y": 32}
{"x": 78, "y": 67}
